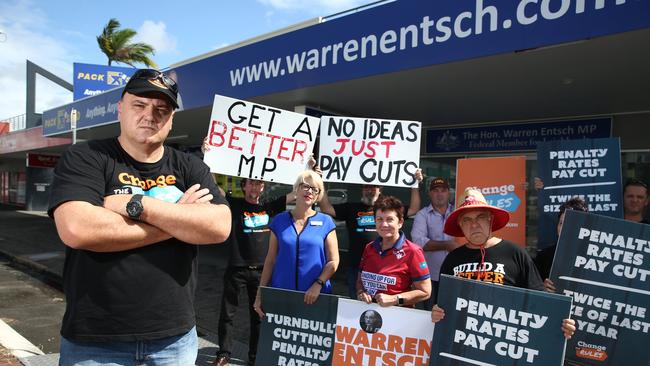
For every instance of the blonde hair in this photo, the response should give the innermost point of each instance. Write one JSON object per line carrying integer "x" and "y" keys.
{"x": 316, "y": 180}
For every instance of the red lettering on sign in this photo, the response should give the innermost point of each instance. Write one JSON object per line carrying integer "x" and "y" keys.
{"x": 233, "y": 138}
{"x": 215, "y": 133}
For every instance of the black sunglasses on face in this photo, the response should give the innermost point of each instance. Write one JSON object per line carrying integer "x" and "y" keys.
{"x": 150, "y": 74}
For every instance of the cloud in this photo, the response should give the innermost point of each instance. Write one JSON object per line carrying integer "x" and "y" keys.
{"x": 320, "y": 7}
{"x": 225, "y": 44}
{"x": 28, "y": 37}
{"x": 155, "y": 34}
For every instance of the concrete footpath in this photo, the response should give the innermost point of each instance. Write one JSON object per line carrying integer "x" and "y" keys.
{"x": 30, "y": 239}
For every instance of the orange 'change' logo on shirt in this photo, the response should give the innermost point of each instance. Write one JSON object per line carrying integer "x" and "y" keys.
{"x": 161, "y": 181}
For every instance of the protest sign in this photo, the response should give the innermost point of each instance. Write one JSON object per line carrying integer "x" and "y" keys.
{"x": 255, "y": 141}
{"x": 369, "y": 151}
{"x": 489, "y": 325}
{"x": 589, "y": 169}
{"x": 604, "y": 264}
{"x": 295, "y": 334}
{"x": 501, "y": 180}
{"x": 340, "y": 332}
{"x": 371, "y": 335}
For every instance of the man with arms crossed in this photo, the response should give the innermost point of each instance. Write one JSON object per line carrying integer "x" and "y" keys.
{"x": 131, "y": 212}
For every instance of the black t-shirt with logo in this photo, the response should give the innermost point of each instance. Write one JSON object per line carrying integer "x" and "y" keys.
{"x": 505, "y": 263}
{"x": 250, "y": 230}
{"x": 140, "y": 294}
{"x": 360, "y": 221}
{"x": 544, "y": 261}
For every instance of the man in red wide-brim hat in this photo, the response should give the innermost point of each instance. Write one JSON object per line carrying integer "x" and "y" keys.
{"x": 485, "y": 257}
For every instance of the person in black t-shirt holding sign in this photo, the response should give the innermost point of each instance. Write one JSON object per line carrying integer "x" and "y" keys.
{"x": 131, "y": 212}
{"x": 485, "y": 257}
{"x": 544, "y": 259}
{"x": 359, "y": 220}
{"x": 249, "y": 244}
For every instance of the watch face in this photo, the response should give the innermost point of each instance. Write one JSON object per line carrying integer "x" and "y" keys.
{"x": 134, "y": 209}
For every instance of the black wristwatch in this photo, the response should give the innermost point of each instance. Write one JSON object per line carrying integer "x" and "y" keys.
{"x": 320, "y": 282}
{"x": 400, "y": 301}
{"x": 134, "y": 207}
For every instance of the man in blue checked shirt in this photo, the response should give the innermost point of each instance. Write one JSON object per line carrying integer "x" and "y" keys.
{"x": 427, "y": 232}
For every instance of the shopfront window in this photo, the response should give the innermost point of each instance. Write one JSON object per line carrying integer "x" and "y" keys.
{"x": 12, "y": 188}
{"x": 634, "y": 165}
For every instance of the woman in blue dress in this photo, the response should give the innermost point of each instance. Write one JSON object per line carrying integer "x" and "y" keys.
{"x": 303, "y": 249}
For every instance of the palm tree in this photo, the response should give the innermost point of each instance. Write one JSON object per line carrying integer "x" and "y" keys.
{"x": 115, "y": 43}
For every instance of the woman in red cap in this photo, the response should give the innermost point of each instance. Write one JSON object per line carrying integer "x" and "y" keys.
{"x": 485, "y": 257}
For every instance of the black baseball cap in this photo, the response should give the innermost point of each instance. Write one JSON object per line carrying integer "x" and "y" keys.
{"x": 152, "y": 81}
{"x": 439, "y": 182}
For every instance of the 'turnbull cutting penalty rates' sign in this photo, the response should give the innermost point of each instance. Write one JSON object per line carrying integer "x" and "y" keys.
{"x": 295, "y": 334}
{"x": 340, "y": 332}
{"x": 255, "y": 141}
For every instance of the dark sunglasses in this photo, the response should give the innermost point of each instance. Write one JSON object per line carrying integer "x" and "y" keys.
{"x": 151, "y": 74}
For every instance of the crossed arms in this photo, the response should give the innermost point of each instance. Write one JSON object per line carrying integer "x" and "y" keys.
{"x": 193, "y": 219}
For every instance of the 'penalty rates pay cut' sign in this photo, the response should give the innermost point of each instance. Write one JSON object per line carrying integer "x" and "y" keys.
{"x": 491, "y": 325}
{"x": 604, "y": 264}
{"x": 589, "y": 169}
{"x": 255, "y": 141}
{"x": 369, "y": 151}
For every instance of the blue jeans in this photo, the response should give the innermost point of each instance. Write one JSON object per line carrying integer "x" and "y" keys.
{"x": 179, "y": 350}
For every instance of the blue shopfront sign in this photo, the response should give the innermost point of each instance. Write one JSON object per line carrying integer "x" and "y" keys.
{"x": 398, "y": 36}
{"x": 401, "y": 35}
{"x": 96, "y": 111}
{"x": 92, "y": 79}
{"x": 513, "y": 137}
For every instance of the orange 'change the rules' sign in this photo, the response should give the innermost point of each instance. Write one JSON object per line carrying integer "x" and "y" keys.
{"x": 502, "y": 182}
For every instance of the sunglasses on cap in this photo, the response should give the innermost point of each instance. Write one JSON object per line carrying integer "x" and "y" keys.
{"x": 151, "y": 74}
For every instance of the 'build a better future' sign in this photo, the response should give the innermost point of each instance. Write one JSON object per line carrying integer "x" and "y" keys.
{"x": 589, "y": 169}
{"x": 604, "y": 264}
{"x": 255, "y": 141}
{"x": 369, "y": 151}
{"x": 490, "y": 325}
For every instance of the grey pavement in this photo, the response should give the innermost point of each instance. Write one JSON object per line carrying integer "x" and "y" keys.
{"x": 30, "y": 239}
